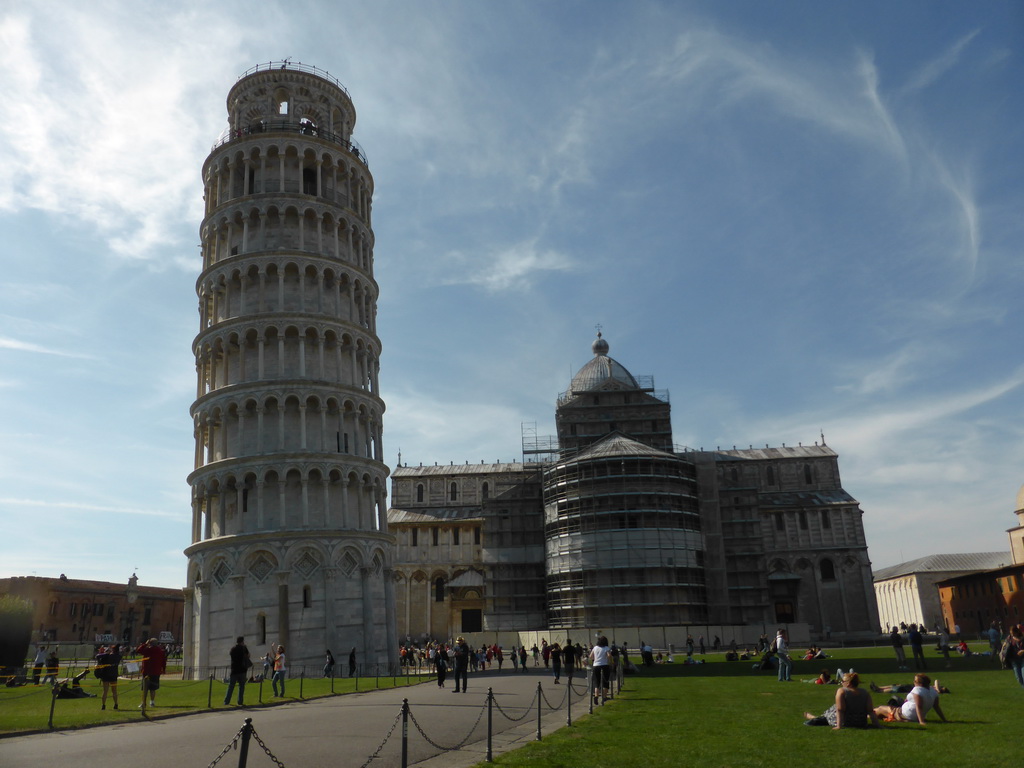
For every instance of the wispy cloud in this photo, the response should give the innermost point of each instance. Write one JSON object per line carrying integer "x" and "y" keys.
{"x": 25, "y": 346}
{"x": 933, "y": 69}
{"x": 512, "y": 268}
{"x": 81, "y": 507}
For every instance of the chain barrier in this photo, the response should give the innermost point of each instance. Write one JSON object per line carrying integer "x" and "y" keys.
{"x": 526, "y": 713}
{"x": 376, "y": 752}
{"x": 233, "y": 744}
{"x": 460, "y": 745}
{"x": 266, "y": 749}
{"x": 551, "y": 706}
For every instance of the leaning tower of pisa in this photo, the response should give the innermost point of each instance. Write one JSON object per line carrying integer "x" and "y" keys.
{"x": 289, "y": 527}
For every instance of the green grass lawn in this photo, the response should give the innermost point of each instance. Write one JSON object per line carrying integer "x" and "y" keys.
{"x": 27, "y": 708}
{"x": 716, "y": 715}
{"x": 725, "y": 715}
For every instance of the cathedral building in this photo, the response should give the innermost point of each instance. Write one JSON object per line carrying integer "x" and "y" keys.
{"x": 610, "y": 525}
{"x": 289, "y": 531}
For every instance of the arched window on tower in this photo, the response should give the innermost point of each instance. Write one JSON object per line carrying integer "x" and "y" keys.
{"x": 439, "y": 590}
{"x": 828, "y": 570}
{"x": 281, "y": 101}
{"x": 453, "y": 492}
{"x": 309, "y": 181}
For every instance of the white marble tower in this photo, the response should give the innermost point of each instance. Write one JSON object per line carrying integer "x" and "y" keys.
{"x": 289, "y": 518}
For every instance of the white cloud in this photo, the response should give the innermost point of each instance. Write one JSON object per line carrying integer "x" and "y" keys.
{"x": 933, "y": 69}
{"x": 25, "y": 346}
{"x": 512, "y": 268}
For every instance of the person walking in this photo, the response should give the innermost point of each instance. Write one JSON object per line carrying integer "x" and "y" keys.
{"x": 461, "y": 653}
{"x": 108, "y": 662}
{"x": 782, "y": 651}
{"x": 352, "y": 662}
{"x": 52, "y": 667}
{"x": 569, "y": 659}
{"x": 154, "y": 661}
{"x": 240, "y": 665}
{"x": 280, "y": 670}
{"x": 601, "y": 669}
{"x": 329, "y": 664}
{"x": 556, "y": 661}
{"x": 522, "y": 658}
{"x": 1015, "y": 652}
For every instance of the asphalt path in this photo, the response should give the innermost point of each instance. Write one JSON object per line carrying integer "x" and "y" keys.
{"x": 336, "y": 732}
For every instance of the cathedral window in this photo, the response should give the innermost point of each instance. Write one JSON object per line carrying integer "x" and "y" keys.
{"x": 415, "y": 537}
{"x": 261, "y": 629}
{"x": 780, "y": 523}
{"x": 439, "y": 590}
{"x": 771, "y": 476}
{"x": 485, "y": 492}
{"x": 803, "y": 520}
{"x": 826, "y": 519}
{"x": 476, "y": 535}
{"x": 828, "y": 570}
{"x": 419, "y": 493}
{"x": 435, "y": 534}
{"x": 307, "y": 596}
{"x": 453, "y": 492}
{"x": 455, "y": 535}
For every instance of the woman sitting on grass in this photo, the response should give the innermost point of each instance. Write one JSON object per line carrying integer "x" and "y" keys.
{"x": 853, "y": 707}
{"x": 920, "y": 700}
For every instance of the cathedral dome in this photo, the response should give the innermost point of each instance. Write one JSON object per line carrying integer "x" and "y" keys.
{"x": 601, "y": 369}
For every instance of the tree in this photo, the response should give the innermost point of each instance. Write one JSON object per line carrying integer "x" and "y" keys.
{"x": 15, "y": 633}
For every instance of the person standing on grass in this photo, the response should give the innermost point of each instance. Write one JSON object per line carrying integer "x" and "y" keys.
{"x": 897, "y": 646}
{"x": 782, "y": 651}
{"x": 917, "y": 646}
{"x": 280, "y": 670}
{"x": 154, "y": 661}
{"x": 352, "y": 662}
{"x": 37, "y": 663}
{"x": 1015, "y": 652}
{"x": 240, "y": 663}
{"x": 108, "y": 663}
{"x": 994, "y": 636}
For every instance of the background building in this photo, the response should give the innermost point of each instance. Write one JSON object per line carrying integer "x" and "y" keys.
{"x": 907, "y": 593}
{"x": 611, "y": 525}
{"x": 289, "y": 532}
{"x": 76, "y": 611}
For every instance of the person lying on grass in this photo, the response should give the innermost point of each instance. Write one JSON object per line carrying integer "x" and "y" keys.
{"x": 921, "y": 699}
{"x": 853, "y": 707}
{"x": 904, "y": 688}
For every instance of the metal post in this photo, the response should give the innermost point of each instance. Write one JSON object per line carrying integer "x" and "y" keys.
{"x": 332, "y": 679}
{"x": 490, "y": 723}
{"x": 262, "y": 677}
{"x": 405, "y": 733}
{"x": 568, "y": 703}
{"x": 539, "y": 697}
{"x": 357, "y": 677}
{"x": 53, "y": 704}
{"x": 209, "y": 696}
{"x": 243, "y": 753}
{"x": 302, "y": 680}
{"x": 590, "y": 689}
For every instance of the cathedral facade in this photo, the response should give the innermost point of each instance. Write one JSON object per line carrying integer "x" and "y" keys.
{"x": 611, "y": 525}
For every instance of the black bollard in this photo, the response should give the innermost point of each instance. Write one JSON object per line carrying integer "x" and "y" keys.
{"x": 540, "y": 696}
{"x": 405, "y": 733}
{"x": 243, "y": 753}
{"x": 209, "y": 695}
{"x": 53, "y": 704}
{"x": 490, "y": 722}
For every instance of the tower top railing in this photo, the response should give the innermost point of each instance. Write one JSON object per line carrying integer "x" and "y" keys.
{"x": 297, "y": 66}
{"x": 292, "y": 126}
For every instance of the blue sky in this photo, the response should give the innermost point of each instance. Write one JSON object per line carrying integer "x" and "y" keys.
{"x": 796, "y": 216}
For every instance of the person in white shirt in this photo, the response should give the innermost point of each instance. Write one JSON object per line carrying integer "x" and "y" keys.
{"x": 782, "y": 651}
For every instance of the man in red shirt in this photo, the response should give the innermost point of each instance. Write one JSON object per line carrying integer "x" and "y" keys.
{"x": 154, "y": 661}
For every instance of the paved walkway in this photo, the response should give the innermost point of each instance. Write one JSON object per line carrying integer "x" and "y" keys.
{"x": 336, "y": 732}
